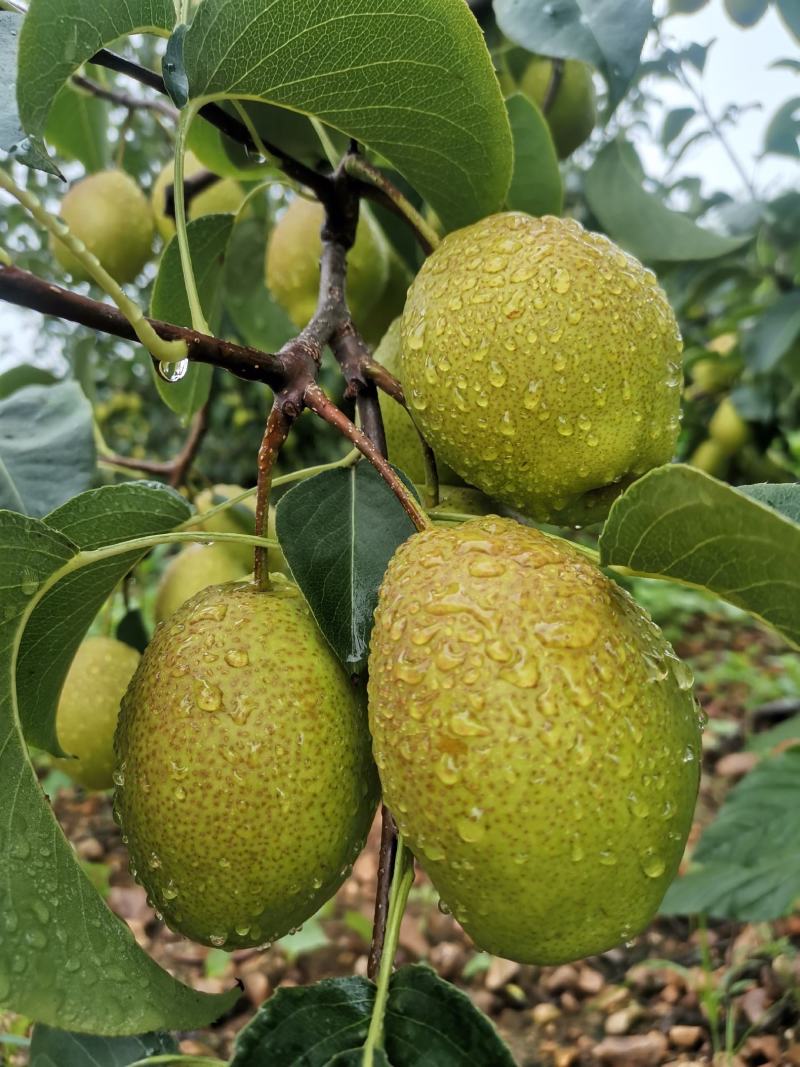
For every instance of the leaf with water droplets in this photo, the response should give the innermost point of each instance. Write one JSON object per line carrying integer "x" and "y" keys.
{"x": 65, "y": 960}
{"x": 47, "y": 451}
{"x": 338, "y": 532}
{"x": 188, "y": 389}
{"x": 28, "y": 150}
{"x": 58, "y": 1048}
{"x": 609, "y": 34}
{"x": 677, "y": 522}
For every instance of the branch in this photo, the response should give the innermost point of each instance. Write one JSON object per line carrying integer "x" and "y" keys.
{"x": 386, "y": 860}
{"x": 280, "y": 421}
{"x": 132, "y": 103}
{"x": 173, "y": 470}
{"x": 24, "y": 289}
{"x": 373, "y": 184}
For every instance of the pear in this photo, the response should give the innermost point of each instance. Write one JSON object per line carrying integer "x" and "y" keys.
{"x": 88, "y": 709}
{"x": 292, "y": 263}
{"x": 245, "y": 784}
{"x": 728, "y": 428}
{"x": 573, "y": 112}
{"x": 239, "y": 518}
{"x": 194, "y": 568}
{"x": 543, "y": 364}
{"x": 711, "y": 457}
{"x": 536, "y": 738}
{"x": 223, "y": 197}
{"x": 109, "y": 213}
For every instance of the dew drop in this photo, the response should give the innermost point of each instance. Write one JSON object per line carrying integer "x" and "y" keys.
{"x": 172, "y": 372}
{"x": 652, "y": 864}
{"x": 236, "y": 657}
{"x": 607, "y": 858}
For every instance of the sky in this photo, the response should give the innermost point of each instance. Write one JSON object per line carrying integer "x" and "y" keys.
{"x": 737, "y": 71}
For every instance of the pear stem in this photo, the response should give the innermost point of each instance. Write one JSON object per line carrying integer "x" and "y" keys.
{"x": 402, "y": 881}
{"x": 279, "y": 423}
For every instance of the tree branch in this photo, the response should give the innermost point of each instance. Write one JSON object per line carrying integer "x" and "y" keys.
{"x": 386, "y": 859}
{"x": 173, "y": 470}
{"x": 24, "y": 289}
{"x": 132, "y": 103}
{"x": 280, "y": 421}
{"x": 369, "y": 181}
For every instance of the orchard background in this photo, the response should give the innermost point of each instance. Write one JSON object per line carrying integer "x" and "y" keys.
{"x": 95, "y": 410}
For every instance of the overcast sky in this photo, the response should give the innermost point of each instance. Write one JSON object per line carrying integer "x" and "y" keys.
{"x": 738, "y": 72}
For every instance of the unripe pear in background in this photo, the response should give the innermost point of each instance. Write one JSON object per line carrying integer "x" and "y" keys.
{"x": 728, "y": 428}
{"x": 711, "y": 457}
{"x": 110, "y": 214}
{"x": 245, "y": 781}
{"x": 223, "y": 197}
{"x": 572, "y": 114}
{"x": 238, "y": 518}
{"x": 292, "y": 262}
{"x": 543, "y": 364}
{"x": 194, "y": 568}
{"x": 88, "y": 709}
{"x": 536, "y": 738}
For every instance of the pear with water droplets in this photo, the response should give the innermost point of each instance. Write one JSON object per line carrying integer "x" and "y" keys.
{"x": 536, "y": 738}
{"x": 543, "y": 364}
{"x": 245, "y": 783}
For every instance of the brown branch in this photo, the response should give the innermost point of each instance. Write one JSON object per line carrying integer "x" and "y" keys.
{"x": 385, "y": 381}
{"x": 24, "y": 289}
{"x": 279, "y": 423}
{"x": 192, "y": 187}
{"x": 386, "y": 858}
{"x": 132, "y": 103}
{"x": 372, "y": 183}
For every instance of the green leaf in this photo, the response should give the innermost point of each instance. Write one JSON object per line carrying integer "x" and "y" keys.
{"x": 746, "y": 12}
{"x": 747, "y": 864}
{"x": 258, "y": 320}
{"x": 783, "y": 498}
{"x": 355, "y": 1058}
{"x": 790, "y": 13}
{"x": 783, "y": 131}
{"x": 400, "y": 78}
{"x": 310, "y": 936}
{"x": 20, "y": 376}
{"x": 59, "y": 36}
{"x": 677, "y": 522}
{"x": 65, "y": 960}
{"x": 536, "y": 183}
{"x": 57, "y": 1048}
{"x": 59, "y": 621}
{"x": 338, "y": 532}
{"x": 428, "y": 1023}
{"x": 788, "y": 730}
{"x": 674, "y": 123}
{"x": 638, "y": 220}
{"x": 218, "y": 153}
{"x": 609, "y": 34}
{"x": 28, "y": 150}
{"x": 307, "y": 1025}
{"x": 77, "y": 127}
{"x": 208, "y": 243}
{"x": 774, "y": 333}
{"x": 47, "y": 451}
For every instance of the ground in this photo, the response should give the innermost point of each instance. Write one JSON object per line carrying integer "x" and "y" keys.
{"x": 728, "y": 990}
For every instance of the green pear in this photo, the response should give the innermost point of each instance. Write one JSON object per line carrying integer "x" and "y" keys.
{"x": 292, "y": 263}
{"x": 88, "y": 709}
{"x": 728, "y": 428}
{"x": 222, "y": 198}
{"x": 572, "y": 114}
{"x": 195, "y": 568}
{"x": 711, "y": 457}
{"x": 245, "y": 783}
{"x": 109, "y": 213}
{"x": 536, "y": 738}
{"x": 543, "y": 364}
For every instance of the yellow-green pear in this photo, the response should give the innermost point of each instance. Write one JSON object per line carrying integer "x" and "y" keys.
{"x": 711, "y": 457}
{"x": 88, "y": 709}
{"x": 292, "y": 262}
{"x": 543, "y": 364}
{"x": 728, "y": 428}
{"x": 245, "y": 783}
{"x": 194, "y": 568}
{"x": 238, "y": 518}
{"x": 572, "y": 113}
{"x": 536, "y": 738}
{"x": 110, "y": 214}
{"x": 222, "y": 198}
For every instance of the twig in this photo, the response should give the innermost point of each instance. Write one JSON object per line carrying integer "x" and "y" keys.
{"x": 353, "y": 355}
{"x": 132, "y": 103}
{"x": 386, "y": 860}
{"x": 370, "y": 178}
{"x": 324, "y": 407}
{"x": 173, "y": 470}
{"x": 280, "y": 421}
{"x": 192, "y": 187}
{"x": 24, "y": 289}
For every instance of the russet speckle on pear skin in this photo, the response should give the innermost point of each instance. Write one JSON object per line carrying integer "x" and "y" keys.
{"x": 543, "y": 364}
{"x": 537, "y": 739}
{"x": 245, "y": 783}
